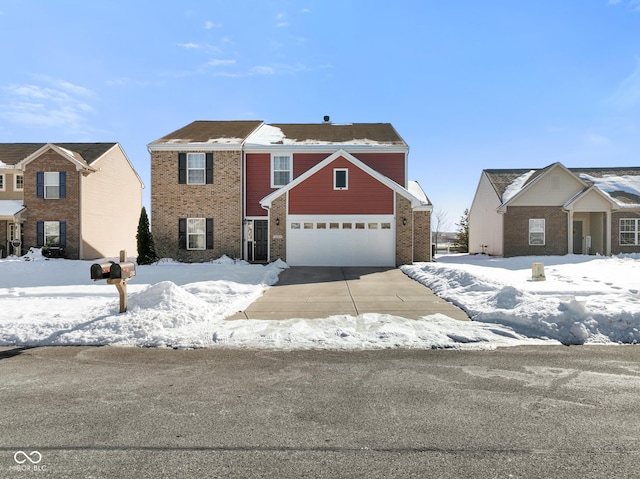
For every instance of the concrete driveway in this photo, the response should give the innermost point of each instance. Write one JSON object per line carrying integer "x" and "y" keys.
{"x": 319, "y": 292}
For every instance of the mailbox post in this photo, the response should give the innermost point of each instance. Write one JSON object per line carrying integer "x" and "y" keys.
{"x": 116, "y": 274}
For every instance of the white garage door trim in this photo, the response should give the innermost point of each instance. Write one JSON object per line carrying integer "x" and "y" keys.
{"x": 341, "y": 240}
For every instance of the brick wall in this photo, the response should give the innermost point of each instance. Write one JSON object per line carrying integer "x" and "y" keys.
{"x": 616, "y": 247}
{"x": 220, "y": 201}
{"x": 516, "y": 231}
{"x": 422, "y": 236}
{"x": 62, "y": 209}
{"x": 278, "y": 233}
{"x": 404, "y": 239}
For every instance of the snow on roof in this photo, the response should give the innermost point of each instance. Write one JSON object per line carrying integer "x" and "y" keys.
{"x": 624, "y": 190}
{"x": 10, "y": 207}
{"x": 416, "y": 190}
{"x": 515, "y": 187}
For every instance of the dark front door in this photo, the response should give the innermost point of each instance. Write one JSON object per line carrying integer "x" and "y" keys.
{"x": 577, "y": 237}
{"x": 260, "y": 239}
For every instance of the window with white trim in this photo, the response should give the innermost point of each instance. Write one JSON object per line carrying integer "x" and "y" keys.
{"x": 340, "y": 179}
{"x": 281, "y": 170}
{"x": 629, "y": 231}
{"x": 52, "y": 184}
{"x": 196, "y": 168}
{"x": 52, "y": 233}
{"x": 536, "y": 232}
{"x": 196, "y": 233}
{"x": 18, "y": 182}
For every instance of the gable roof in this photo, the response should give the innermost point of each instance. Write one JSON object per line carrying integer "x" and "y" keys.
{"x": 416, "y": 202}
{"x": 621, "y": 185}
{"x": 228, "y": 133}
{"x": 13, "y": 153}
{"x": 326, "y": 134}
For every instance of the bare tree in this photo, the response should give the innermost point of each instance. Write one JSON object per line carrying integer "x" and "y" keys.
{"x": 440, "y": 220}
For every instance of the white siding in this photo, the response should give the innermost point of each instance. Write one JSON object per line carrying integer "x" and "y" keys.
{"x": 485, "y": 223}
{"x": 111, "y": 201}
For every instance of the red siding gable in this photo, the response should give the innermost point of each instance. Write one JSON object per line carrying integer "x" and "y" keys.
{"x": 365, "y": 194}
{"x": 258, "y": 182}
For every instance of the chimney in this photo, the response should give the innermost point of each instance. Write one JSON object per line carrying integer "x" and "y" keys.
{"x": 327, "y": 119}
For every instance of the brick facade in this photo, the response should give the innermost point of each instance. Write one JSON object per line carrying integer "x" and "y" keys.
{"x": 278, "y": 232}
{"x": 421, "y": 236}
{"x": 220, "y": 201}
{"x": 62, "y": 209}
{"x": 404, "y": 243}
{"x": 616, "y": 247}
{"x": 516, "y": 231}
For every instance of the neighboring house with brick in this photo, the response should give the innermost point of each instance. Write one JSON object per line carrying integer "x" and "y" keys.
{"x": 74, "y": 200}
{"x": 556, "y": 211}
{"x": 309, "y": 194}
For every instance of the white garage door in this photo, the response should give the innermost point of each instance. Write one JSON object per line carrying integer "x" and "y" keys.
{"x": 341, "y": 241}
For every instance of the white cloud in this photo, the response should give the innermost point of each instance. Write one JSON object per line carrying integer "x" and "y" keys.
{"x": 208, "y": 25}
{"x": 189, "y": 45}
{"x": 219, "y": 62}
{"x": 55, "y": 103}
{"x": 627, "y": 94}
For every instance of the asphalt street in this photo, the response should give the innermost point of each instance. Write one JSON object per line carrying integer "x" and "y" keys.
{"x": 514, "y": 412}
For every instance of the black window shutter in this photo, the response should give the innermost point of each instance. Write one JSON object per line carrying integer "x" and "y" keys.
{"x": 209, "y": 168}
{"x": 182, "y": 168}
{"x": 63, "y": 234}
{"x": 40, "y": 234}
{"x": 209, "y": 233}
{"x": 63, "y": 184}
{"x": 182, "y": 233}
{"x": 40, "y": 184}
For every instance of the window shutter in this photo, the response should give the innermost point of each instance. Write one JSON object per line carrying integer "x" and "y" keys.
{"x": 40, "y": 185}
{"x": 182, "y": 168}
{"x": 40, "y": 234}
{"x": 63, "y": 184}
{"x": 209, "y": 233}
{"x": 182, "y": 233}
{"x": 63, "y": 234}
{"x": 209, "y": 168}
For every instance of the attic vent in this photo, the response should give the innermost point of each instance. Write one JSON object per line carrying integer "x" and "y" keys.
{"x": 327, "y": 119}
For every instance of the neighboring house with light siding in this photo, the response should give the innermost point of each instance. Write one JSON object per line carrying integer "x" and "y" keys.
{"x": 310, "y": 194}
{"x": 74, "y": 200}
{"x": 555, "y": 211}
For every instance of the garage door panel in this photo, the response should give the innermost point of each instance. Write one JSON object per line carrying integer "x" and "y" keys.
{"x": 341, "y": 241}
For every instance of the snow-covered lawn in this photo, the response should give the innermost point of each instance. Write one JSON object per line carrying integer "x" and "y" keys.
{"x": 584, "y": 299}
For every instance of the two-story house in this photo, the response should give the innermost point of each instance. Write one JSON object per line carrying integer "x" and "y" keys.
{"x": 309, "y": 194}
{"x": 74, "y": 200}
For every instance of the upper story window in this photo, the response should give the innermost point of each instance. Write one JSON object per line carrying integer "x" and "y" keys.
{"x": 281, "y": 170}
{"x": 195, "y": 168}
{"x": 18, "y": 182}
{"x": 51, "y": 184}
{"x": 2, "y": 187}
{"x": 340, "y": 179}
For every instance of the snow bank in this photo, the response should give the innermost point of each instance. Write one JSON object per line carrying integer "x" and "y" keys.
{"x": 585, "y": 299}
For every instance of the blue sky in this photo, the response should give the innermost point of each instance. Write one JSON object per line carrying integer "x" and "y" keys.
{"x": 468, "y": 84}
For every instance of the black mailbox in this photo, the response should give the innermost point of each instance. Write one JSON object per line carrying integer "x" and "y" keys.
{"x": 101, "y": 271}
{"x": 124, "y": 270}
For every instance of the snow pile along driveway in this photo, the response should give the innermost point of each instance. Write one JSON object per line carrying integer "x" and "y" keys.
{"x": 585, "y": 299}
{"x": 53, "y": 302}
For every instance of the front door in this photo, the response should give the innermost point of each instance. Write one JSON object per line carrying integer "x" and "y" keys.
{"x": 577, "y": 237}
{"x": 260, "y": 239}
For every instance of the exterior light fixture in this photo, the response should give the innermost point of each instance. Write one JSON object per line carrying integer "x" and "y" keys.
{"x": 277, "y": 221}
{"x": 404, "y": 221}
